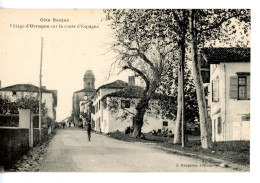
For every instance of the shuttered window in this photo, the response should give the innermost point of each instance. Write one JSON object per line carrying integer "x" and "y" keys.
{"x": 248, "y": 87}
{"x": 215, "y": 90}
{"x": 233, "y": 87}
{"x": 240, "y": 86}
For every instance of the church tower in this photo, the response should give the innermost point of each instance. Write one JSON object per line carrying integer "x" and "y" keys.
{"x": 89, "y": 80}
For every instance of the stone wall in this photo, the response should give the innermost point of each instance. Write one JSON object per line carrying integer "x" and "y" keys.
{"x": 13, "y": 144}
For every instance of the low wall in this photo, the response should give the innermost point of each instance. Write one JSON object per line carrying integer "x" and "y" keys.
{"x": 14, "y": 136}
{"x": 13, "y": 144}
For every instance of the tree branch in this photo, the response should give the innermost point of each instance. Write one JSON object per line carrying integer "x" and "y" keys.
{"x": 130, "y": 67}
{"x": 177, "y": 18}
{"x": 139, "y": 54}
{"x": 217, "y": 24}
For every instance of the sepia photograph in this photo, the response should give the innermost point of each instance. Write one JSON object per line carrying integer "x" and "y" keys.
{"x": 125, "y": 90}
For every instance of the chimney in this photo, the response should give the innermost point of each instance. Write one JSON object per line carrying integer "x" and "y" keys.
{"x": 0, "y": 84}
{"x": 131, "y": 80}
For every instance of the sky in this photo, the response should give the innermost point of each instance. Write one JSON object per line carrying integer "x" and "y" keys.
{"x": 67, "y": 52}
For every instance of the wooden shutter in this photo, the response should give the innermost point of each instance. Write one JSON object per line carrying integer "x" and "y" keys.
{"x": 233, "y": 87}
{"x": 215, "y": 90}
{"x": 248, "y": 87}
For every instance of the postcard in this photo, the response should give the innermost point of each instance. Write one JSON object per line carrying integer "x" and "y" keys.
{"x": 125, "y": 90}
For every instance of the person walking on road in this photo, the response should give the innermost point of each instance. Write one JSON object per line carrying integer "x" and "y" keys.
{"x": 89, "y": 130}
{"x": 63, "y": 125}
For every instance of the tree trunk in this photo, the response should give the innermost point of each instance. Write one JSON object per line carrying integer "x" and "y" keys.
{"x": 180, "y": 121}
{"x": 183, "y": 97}
{"x": 138, "y": 119}
{"x": 177, "y": 135}
{"x": 137, "y": 125}
{"x": 137, "y": 132}
{"x": 204, "y": 120}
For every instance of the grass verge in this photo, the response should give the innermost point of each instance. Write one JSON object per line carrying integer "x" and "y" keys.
{"x": 231, "y": 151}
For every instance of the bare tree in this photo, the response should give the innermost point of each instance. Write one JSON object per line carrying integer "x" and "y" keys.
{"x": 143, "y": 48}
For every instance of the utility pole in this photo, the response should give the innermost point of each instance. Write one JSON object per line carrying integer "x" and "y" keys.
{"x": 40, "y": 97}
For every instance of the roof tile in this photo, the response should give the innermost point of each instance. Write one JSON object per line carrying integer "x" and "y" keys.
{"x": 221, "y": 54}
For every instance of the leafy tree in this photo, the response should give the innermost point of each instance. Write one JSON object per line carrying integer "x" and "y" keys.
{"x": 4, "y": 104}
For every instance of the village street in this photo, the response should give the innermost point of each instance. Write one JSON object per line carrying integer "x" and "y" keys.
{"x": 69, "y": 151}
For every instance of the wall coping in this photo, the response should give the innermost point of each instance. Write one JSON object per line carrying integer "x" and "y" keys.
{"x": 2, "y": 127}
{"x": 9, "y": 114}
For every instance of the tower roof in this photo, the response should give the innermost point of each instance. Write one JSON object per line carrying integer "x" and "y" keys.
{"x": 89, "y": 73}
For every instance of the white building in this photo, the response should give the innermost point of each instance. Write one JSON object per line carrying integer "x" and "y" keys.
{"x": 98, "y": 122}
{"x": 49, "y": 97}
{"x": 125, "y": 97}
{"x": 229, "y": 92}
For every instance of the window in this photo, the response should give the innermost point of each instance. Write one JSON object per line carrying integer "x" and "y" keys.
{"x": 125, "y": 103}
{"x": 14, "y": 93}
{"x": 219, "y": 125}
{"x": 242, "y": 87}
{"x": 165, "y": 123}
{"x": 215, "y": 90}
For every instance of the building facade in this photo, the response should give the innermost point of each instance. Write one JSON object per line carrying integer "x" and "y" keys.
{"x": 229, "y": 92}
